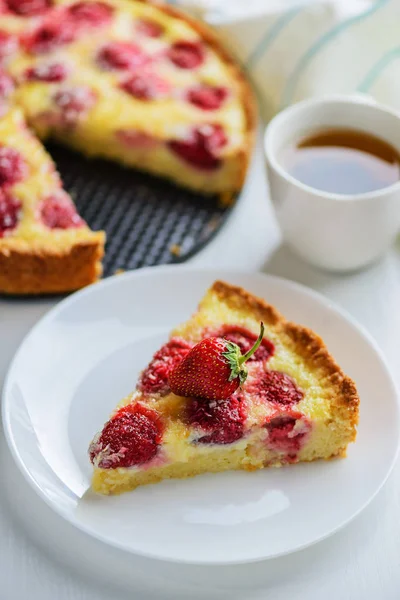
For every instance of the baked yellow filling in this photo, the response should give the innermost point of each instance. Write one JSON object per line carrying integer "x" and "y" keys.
{"x": 41, "y": 182}
{"x": 183, "y": 85}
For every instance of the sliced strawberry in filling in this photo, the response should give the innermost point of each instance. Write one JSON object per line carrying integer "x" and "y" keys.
{"x": 50, "y": 73}
{"x": 146, "y": 86}
{"x": 222, "y": 421}
{"x": 63, "y": 25}
{"x": 207, "y": 97}
{"x": 120, "y": 55}
{"x": 287, "y": 432}
{"x": 131, "y": 437}
{"x": 136, "y": 140}
{"x": 74, "y": 103}
{"x": 13, "y": 167}
{"x": 245, "y": 339}
{"x": 8, "y": 44}
{"x": 154, "y": 379}
{"x": 89, "y": 14}
{"x": 275, "y": 387}
{"x": 186, "y": 55}
{"x": 28, "y": 8}
{"x": 10, "y": 209}
{"x": 58, "y": 212}
{"x": 6, "y": 85}
{"x": 200, "y": 149}
{"x": 149, "y": 28}
{"x": 52, "y": 33}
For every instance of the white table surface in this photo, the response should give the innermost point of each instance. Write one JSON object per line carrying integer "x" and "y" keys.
{"x": 44, "y": 558}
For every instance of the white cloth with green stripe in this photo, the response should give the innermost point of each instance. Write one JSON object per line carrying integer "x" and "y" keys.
{"x": 293, "y": 50}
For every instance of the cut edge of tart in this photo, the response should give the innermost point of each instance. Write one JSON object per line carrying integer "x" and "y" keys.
{"x": 296, "y": 405}
{"x": 45, "y": 246}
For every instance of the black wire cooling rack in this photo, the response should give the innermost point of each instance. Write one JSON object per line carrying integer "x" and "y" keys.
{"x": 147, "y": 220}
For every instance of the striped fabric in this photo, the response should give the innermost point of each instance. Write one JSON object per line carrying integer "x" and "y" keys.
{"x": 293, "y": 50}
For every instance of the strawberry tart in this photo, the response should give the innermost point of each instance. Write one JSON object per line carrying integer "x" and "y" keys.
{"x": 129, "y": 80}
{"x": 216, "y": 398}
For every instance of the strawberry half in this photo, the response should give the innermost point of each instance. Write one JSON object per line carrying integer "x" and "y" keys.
{"x": 213, "y": 369}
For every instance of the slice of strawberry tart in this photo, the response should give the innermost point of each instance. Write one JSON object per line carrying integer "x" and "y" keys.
{"x": 215, "y": 398}
{"x": 45, "y": 246}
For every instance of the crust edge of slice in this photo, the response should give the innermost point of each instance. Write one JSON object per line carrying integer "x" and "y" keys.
{"x": 304, "y": 342}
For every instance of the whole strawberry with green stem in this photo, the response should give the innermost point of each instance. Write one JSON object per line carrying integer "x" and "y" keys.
{"x": 213, "y": 369}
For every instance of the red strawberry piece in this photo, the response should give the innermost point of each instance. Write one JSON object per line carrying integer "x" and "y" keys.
{"x": 212, "y": 136}
{"x": 223, "y": 420}
{"x": 8, "y": 44}
{"x": 145, "y": 86}
{"x": 28, "y": 8}
{"x": 6, "y": 85}
{"x": 62, "y": 26}
{"x": 131, "y": 437}
{"x": 13, "y": 167}
{"x": 58, "y": 212}
{"x": 74, "y": 103}
{"x": 134, "y": 139}
{"x": 287, "y": 431}
{"x": 199, "y": 149}
{"x": 275, "y": 387}
{"x": 149, "y": 28}
{"x": 51, "y": 73}
{"x": 120, "y": 55}
{"x": 213, "y": 369}
{"x": 207, "y": 97}
{"x": 49, "y": 35}
{"x": 89, "y": 14}
{"x": 10, "y": 209}
{"x": 186, "y": 55}
{"x": 154, "y": 379}
{"x": 245, "y": 339}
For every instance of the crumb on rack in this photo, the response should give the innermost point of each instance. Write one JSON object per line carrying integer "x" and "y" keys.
{"x": 175, "y": 249}
{"x": 119, "y": 271}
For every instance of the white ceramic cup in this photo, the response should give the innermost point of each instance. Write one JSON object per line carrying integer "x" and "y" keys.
{"x": 334, "y": 231}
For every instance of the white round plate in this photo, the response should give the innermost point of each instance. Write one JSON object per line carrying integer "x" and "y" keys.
{"x": 85, "y": 355}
